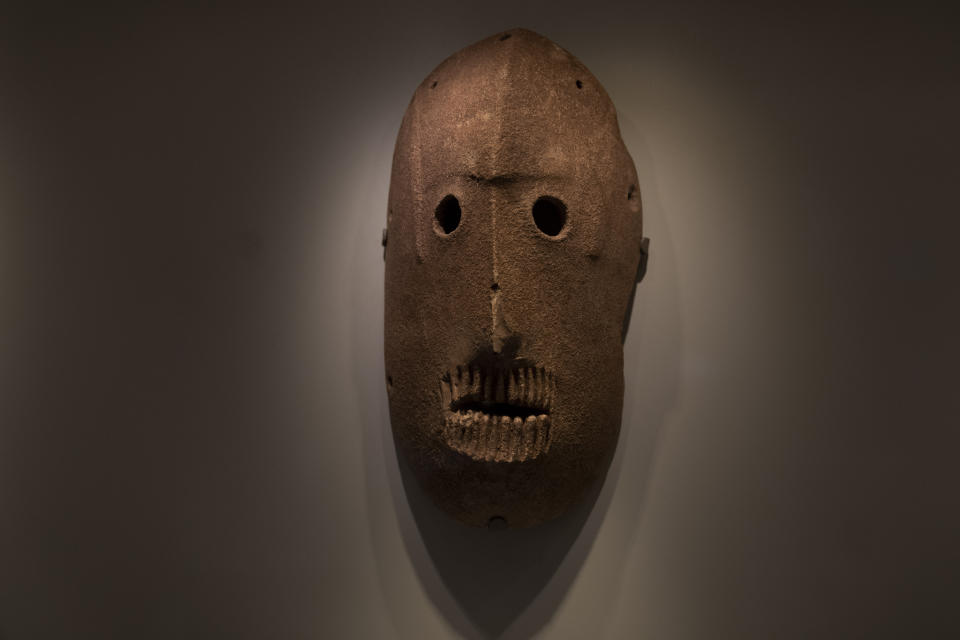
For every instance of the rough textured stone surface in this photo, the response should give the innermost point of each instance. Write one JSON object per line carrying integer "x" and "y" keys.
{"x": 513, "y": 243}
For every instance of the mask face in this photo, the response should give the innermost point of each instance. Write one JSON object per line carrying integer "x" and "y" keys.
{"x": 515, "y": 237}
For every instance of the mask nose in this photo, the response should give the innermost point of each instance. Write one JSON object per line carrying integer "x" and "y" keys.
{"x": 500, "y": 332}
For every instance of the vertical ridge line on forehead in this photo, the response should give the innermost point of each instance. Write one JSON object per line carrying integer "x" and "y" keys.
{"x": 503, "y": 76}
{"x": 416, "y": 157}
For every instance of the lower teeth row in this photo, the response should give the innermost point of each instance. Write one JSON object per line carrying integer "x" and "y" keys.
{"x": 494, "y": 438}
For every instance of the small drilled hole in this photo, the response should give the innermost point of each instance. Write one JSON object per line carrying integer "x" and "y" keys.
{"x": 389, "y": 383}
{"x": 497, "y": 523}
{"x": 448, "y": 215}
{"x": 433, "y": 86}
{"x": 550, "y": 215}
{"x": 631, "y": 191}
{"x": 579, "y": 85}
{"x": 495, "y": 287}
{"x": 504, "y": 37}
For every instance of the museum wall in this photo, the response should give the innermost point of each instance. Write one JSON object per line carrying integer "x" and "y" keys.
{"x": 194, "y": 435}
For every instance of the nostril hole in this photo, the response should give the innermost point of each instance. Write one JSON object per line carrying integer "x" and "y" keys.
{"x": 550, "y": 215}
{"x": 579, "y": 85}
{"x": 447, "y": 215}
{"x": 495, "y": 287}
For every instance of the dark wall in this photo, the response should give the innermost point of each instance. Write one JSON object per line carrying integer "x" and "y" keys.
{"x": 193, "y": 439}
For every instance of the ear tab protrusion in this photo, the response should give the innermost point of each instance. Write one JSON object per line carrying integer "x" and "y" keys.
{"x": 644, "y": 255}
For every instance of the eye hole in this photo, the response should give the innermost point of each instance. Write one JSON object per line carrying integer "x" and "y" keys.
{"x": 550, "y": 215}
{"x": 448, "y": 215}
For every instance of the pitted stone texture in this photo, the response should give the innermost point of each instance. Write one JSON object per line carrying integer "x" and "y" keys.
{"x": 515, "y": 229}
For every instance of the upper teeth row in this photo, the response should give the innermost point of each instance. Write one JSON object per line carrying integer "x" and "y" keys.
{"x": 526, "y": 386}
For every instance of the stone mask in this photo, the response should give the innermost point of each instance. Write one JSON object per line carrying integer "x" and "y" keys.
{"x": 515, "y": 241}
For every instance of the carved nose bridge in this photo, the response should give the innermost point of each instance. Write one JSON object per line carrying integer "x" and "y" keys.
{"x": 499, "y": 201}
{"x": 498, "y": 326}
{"x": 499, "y": 332}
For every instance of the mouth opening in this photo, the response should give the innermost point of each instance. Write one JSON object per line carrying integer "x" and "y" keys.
{"x": 498, "y": 414}
{"x": 496, "y": 409}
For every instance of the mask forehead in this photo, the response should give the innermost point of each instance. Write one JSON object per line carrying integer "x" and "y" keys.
{"x": 505, "y": 107}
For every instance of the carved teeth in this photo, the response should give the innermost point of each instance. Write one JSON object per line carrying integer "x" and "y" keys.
{"x": 497, "y": 438}
{"x": 492, "y": 439}
{"x": 548, "y": 400}
{"x": 466, "y": 430}
{"x": 516, "y": 440}
{"x": 541, "y": 442}
{"x": 526, "y": 387}
{"x": 541, "y": 388}
{"x": 473, "y": 399}
{"x": 482, "y": 423}
{"x": 446, "y": 397}
{"x": 504, "y": 453}
{"x": 544, "y": 421}
{"x": 529, "y": 436}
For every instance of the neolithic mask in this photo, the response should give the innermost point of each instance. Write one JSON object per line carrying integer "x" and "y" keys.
{"x": 515, "y": 241}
